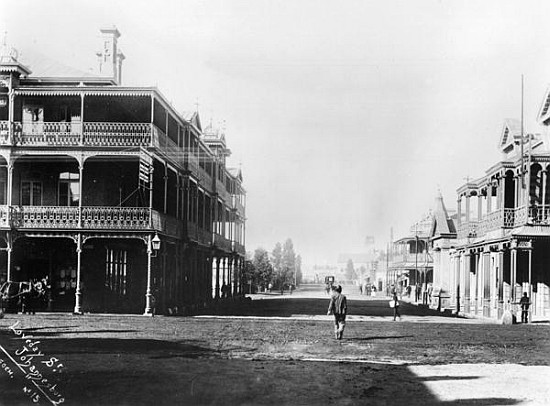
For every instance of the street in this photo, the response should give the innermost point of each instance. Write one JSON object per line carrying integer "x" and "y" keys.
{"x": 276, "y": 350}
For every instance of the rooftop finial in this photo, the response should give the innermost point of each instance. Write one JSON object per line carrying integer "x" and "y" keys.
{"x": 7, "y": 54}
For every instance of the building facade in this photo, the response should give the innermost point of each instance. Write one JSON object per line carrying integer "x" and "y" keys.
{"x": 125, "y": 204}
{"x": 410, "y": 260}
{"x": 503, "y": 229}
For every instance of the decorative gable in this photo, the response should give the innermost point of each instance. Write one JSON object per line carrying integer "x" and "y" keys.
{"x": 544, "y": 113}
{"x": 510, "y": 130}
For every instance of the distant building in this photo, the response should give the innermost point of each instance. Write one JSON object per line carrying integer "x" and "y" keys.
{"x": 410, "y": 258}
{"x": 123, "y": 202}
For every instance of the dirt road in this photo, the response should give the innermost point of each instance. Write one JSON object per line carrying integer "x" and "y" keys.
{"x": 280, "y": 350}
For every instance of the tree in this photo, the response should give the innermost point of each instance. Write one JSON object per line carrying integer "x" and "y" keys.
{"x": 288, "y": 262}
{"x": 298, "y": 269}
{"x": 249, "y": 276}
{"x": 263, "y": 269}
{"x": 277, "y": 261}
{"x": 350, "y": 271}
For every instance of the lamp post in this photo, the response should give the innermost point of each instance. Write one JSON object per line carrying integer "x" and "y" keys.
{"x": 153, "y": 247}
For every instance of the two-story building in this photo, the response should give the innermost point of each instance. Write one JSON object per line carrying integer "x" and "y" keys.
{"x": 410, "y": 260}
{"x": 503, "y": 231}
{"x": 124, "y": 203}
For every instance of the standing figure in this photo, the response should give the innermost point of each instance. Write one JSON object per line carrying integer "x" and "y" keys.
{"x": 338, "y": 306}
{"x": 524, "y": 303}
{"x": 395, "y": 305}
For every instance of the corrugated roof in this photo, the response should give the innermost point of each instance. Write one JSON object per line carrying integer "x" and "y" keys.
{"x": 44, "y": 66}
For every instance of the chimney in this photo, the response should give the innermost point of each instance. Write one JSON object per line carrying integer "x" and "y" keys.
{"x": 110, "y": 58}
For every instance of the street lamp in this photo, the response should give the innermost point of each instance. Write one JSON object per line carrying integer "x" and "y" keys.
{"x": 155, "y": 245}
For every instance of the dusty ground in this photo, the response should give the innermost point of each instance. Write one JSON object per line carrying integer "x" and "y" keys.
{"x": 279, "y": 351}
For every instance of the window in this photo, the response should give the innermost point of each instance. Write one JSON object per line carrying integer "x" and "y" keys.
{"x": 31, "y": 193}
{"x": 69, "y": 189}
{"x": 115, "y": 270}
{"x": 3, "y": 192}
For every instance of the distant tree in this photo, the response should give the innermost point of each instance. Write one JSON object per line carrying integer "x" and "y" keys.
{"x": 298, "y": 269}
{"x": 263, "y": 270}
{"x": 362, "y": 272}
{"x": 249, "y": 277}
{"x": 350, "y": 271}
{"x": 288, "y": 262}
{"x": 277, "y": 258}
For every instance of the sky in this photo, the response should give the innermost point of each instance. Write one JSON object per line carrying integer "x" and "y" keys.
{"x": 346, "y": 118}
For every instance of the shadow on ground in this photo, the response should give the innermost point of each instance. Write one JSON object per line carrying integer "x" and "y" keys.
{"x": 112, "y": 371}
{"x": 314, "y": 307}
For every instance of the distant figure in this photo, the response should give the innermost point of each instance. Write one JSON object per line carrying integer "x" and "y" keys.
{"x": 395, "y": 304}
{"x": 524, "y": 303}
{"x": 338, "y": 306}
{"x": 224, "y": 290}
{"x": 418, "y": 290}
{"x": 408, "y": 290}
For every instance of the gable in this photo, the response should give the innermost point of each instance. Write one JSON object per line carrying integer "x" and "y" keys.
{"x": 510, "y": 130}
{"x": 544, "y": 112}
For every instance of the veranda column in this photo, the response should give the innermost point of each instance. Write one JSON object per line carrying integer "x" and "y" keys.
{"x": 476, "y": 276}
{"x": 456, "y": 290}
{"x": 148, "y": 294}
{"x": 500, "y": 282}
{"x": 236, "y": 275}
{"x": 80, "y": 182}
{"x": 466, "y": 280}
{"x": 78, "y": 294}
{"x": 217, "y": 293}
{"x": 544, "y": 176}
{"x": 459, "y": 210}
{"x": 9, "y": 202}
{"x": 467, "y": 210}
{"x": 224, "y": 280}
{"x": 513, "y": 264}
{"x": 486, "y": 288}
{"x": 231, "y": 276}
{"x": 530, "y": 292}
{"x": 8, "y": 251}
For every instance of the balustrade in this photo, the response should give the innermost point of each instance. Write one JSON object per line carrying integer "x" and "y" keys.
{"x": 113, "y": 218}
{"x": 4, "y": 132}
{"x": 238, "y": 248}
{"x": 4, "y": 216}
{"x": 45, "y": 217}
{"x": 222, "y": 243}
{"x": 117, "y": 134}
{"x": 540, "y": 215}
{"x": 236, "y": 204}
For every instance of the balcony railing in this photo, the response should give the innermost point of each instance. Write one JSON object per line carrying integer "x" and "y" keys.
{"x": 117, "y": 134}
{"x": 505, "y": 218}
{"x": 122, "y": 218}
{"x": 4, "y": 132}
{"x": 205, "y": 236}
{"x": 238, "y": 248}
{"x": 46, "y": 133}
{"x": 45, "y": 217}
{"x": 539, "y": 215}
{"x": 236, "y": 204}
{"x": 4, "y": 216}
{"x": 222, "y": 243}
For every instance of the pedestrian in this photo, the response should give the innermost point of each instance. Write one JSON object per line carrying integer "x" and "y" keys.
{"x": 395, "y": 304}
{"x": 338, "y": 307}
{"x": 524, "y": 303}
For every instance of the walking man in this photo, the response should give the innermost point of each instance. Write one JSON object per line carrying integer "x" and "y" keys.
{"x": 338, "y": 306}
